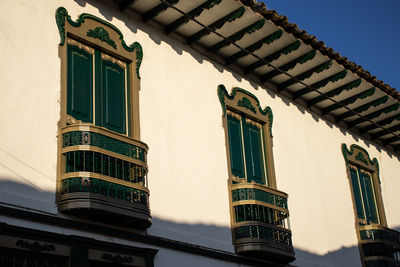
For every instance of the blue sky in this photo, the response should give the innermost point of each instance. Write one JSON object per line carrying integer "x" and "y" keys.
{"x": 365, "y": 31}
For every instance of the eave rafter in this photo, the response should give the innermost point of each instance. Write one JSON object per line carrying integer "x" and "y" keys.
{"x": 288, "y": 66}
{"x": 216, "y": 25}
{"x": 125, "y": 4}
{"x": 394, "y": 128}
{"x": 190, "y": 15}
{"x": 307, "y": 74}
{"x": 155, "y": 11}
{"x": 237, "y": 36}
{"x": 362, "y": 108}
{"x": 380, "y": 123}
{"x": 333, "y": 78}
{"x": 271, "y": 57}
{"x": 254, "y": 47}
{"x": 390, "y": 140}
{"x": 396, "y": 148}
{"x": 344, "y": 102}
{"x": 373, "y": 115}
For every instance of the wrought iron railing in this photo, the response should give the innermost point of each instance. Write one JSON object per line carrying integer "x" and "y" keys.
{"x": 260, "y": 221}
{"x": 102, "y": 167}
{"x": 380, "y": 245}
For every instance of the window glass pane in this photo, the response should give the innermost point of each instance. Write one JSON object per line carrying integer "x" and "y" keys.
{"x": 80, "y": 84}
{"x": 113, "y": 93}
{"x": 235, "y": 146}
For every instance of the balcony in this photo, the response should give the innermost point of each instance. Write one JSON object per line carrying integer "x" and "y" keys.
{"x": 103, "y": 176}
{"x": 260, "y": 222}
{"x": 380, "y": 245}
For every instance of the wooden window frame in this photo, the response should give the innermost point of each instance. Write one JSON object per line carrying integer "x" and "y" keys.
{"x": 123, "y": 175}
{"x": 91, "y": 32}
{"x": 246, "y": 105}
{"x": 359, "y": 157}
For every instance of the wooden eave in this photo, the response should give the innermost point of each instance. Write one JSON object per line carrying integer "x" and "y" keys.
{"x": 290, "y": 61}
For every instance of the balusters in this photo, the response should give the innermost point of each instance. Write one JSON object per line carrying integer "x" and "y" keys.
{"x": 90, "y": 161}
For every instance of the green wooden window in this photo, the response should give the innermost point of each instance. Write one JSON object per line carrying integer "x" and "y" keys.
{"x": 364, "y": 195}
{"x": 80, "y": 84}
{"x": 246, "y": 149}
{"x": 97, "y": 89}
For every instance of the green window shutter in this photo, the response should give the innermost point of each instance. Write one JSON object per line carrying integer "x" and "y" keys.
{"x": 80, "y": 84}
{"x": 369, "y": 199}
{"x": 113, "y": 97}
{"x": 235, "y": 146}
{"x": 357, "y": 193}
{"x": 253, "y": 153}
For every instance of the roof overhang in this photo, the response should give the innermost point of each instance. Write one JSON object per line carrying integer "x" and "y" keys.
{"x": 265, "y": 47}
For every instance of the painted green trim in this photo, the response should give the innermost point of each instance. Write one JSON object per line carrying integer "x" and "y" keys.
{"x": 380, "y": 123}
{"x": 274, "y": 56}
{"x": 109, "y": 189}
{"x": 337, "y": 91}
{"x": 190, "y": 15}
{"x": 347, "y": 101}
{"x": 223, "y": 93}
{"x": 308, "y": 74}
{"x": 246, "y": 103}
{"x": 77, "y": 138}
{"x": 155, "y": 11}
{"x": 362, "y": 158}
{"x": 256, "y": 46}
{"x": 62, "y": 16}
{"x": 129, "y": 104}
{"x": 101, "y": 34}
{"x": 216, "y": 25}
{"x": 288, "y": 66}
{"x": 237, "y": 36}
{"x": 315, "y": 86}
{"x": 362, "y": 108}
{"x": 139, "y": 57}
{"x": 375, "y": 114}
{"x": 259, "y": 195}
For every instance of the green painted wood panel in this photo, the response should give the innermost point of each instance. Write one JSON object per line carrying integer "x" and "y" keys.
{"x": 253, "y": 153}
{"x": 357, "y": 193}
{"x": 98, "y": 93}
{"x": 113, "y": 97}
{"x": 369, "y": 199}
{"x": 80, "y": 84}
{"x": 235, "y": 146}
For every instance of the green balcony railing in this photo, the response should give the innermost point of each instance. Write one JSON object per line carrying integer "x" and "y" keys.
{"x": 274, "y": 236}
{"x": 104, "y": 173}
{"x": 105, "y": 188}
{"x": 261, "y": 222}
{"x": 380, "y": 245}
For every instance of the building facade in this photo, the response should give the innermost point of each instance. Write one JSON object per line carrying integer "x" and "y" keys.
{"x": 189, "y": 133}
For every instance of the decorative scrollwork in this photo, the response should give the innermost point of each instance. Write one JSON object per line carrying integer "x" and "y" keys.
{"x": 35, "y": 246}
{"x": 117, "y": 259}
{"x": 246, "y": 103}
{"x": 101, "y": 34}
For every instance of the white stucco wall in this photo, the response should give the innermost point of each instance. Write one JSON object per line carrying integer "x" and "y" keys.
{"x": 181, "y": 121}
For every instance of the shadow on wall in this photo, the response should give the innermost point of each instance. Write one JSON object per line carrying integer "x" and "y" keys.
{"x": 208, "y": 236}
